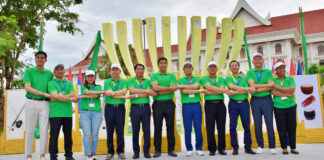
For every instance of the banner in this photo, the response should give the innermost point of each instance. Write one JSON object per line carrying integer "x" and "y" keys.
{"x": 151, "y": 41}
{"x": 308, "y": 100}
{"x": 195, "y": 42}
{"x": 182, "y": 42}
{"x": 225, "y": 42}
{"x": 166, "y": 40}
{"x": 211, "y": 32}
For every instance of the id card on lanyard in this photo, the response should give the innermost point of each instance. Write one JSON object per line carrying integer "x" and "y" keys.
{"x": 140, "y": 84}
{"x": 215, "y": 83}
{"x": 281, "y": 85}
{"x": 236, "y": 82}
{"x": 190, "y": 82}
{"x": 92, "y": 104}
{"x": 63, "y": 88}
{"x": 258, "y": 77}
{"x": 115, "y": 85}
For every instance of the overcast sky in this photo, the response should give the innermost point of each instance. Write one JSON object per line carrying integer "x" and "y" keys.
{"x": 67, "y": 49}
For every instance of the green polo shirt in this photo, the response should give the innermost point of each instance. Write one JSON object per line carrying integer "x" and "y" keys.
{"x": 143, "y": 85}
{"x": 186, "y": 98}
{"x": 164, "y": 80}
{"x": 85, "y": 102}
{"x": 239, "y": 81}
{"x": 289, "y": 101}
{"x": 217, "y": 82}
{"x": 38, "y": 80}
{"x": 264, "y": 79}
{"x": 59, "y": 108}
{"x": 113, "y": 85}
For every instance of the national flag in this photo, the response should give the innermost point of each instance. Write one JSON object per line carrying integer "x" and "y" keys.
{"x": 299, "y": 71}
{"x": 292, "y": 68}
{"x": 273, "y": 63}
{"x": 70, "y": 78}
{"x": 94, "y": 60}
{"x": 283, "y": 61}
{"x": 80, "y": 82}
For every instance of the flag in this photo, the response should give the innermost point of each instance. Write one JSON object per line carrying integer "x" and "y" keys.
{"x": 247, "y": 49}
{"x": 94, "y": 60}
{"x": 80, "y": 82}
{"x": 70, "y": 78}
{"x": 303, "y": 39}
{"x": 292, "y": 68}
{"x": 299, "y": 71}
{"x": 283, "y": 61}
{"x": 273, "y": 63}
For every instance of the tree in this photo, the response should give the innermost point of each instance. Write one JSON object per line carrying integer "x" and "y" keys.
{"x": 19, "y": 22}
{"x": 103, "y": 69}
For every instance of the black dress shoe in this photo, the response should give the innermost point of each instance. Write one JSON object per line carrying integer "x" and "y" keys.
{"x": 157, "y": 154}
{"x": 212, "y": 153}
{"x": 69, "y": 158}
{"x": 286, "y": 153}
{"x": 147, "y": 155}
{"x": 136, "y": 156}
{"x": 235, "y": 152}
{"x": 294, "y": 152}
{"x": 172, "y": 154}
{"x": 222, "y": 152}
{"x": 249, "y": 151}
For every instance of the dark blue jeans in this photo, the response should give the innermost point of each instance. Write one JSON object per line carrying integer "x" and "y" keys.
{"x": 115, "y": 119}
{"x": 263, "y": 106}
{"x": 192, "y": 113}
{"x": 141, "y": 114}
{"x": 236, "y": 109}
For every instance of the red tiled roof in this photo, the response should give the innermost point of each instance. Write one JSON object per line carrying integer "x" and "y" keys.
{"x": 313, "y": 23}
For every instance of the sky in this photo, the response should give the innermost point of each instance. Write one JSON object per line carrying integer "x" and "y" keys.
{"x": 68, "y": 49}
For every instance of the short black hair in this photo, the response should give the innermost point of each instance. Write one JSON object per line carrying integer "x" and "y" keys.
{"x": 136, "y": 65}
{"x": 161, "y": 59}
{"x": 233, "y": 62}
{"x": 41, "y": 52}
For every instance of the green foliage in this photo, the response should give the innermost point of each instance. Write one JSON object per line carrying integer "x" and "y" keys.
{"x": 313, "y": 69}
{"x": 103, "y": 69}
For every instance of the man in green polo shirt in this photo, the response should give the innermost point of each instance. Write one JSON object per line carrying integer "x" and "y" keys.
{"x": 62, "y": 96}
{"x": 115, "y": 111}
{"x": 141, "y": 90}
{"x": 285, "y": 108}
{"x": 215, "y": 110}
{"x": 164, "y": 84}
{"x": 37, "y": 104}
{"x": 191, "y": 108}
{"x": 261, "y": 102}
{"x": 239, "y": 106}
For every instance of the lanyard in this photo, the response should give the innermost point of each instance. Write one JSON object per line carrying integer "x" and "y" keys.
{"x": 140, "y": 85}
{"x": 93, "y": 88}
{"x": 189, "y": 82}
{"x": 63, "y": 88}
{"x": 115, "y": 85}
{"x": 215, "y": 83}
{"x": 237, "y": 82}
{"x": 259, "y": 78}
{"x": 281, "y": 82}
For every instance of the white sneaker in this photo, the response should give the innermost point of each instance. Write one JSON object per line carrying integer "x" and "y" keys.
{"x": 94, "y": 157}
{"x": 189, "y": 153}
{"x": 259, "y": 150}
{"x": 200, "y": 153}
{"x": 273, "y": 151}
{"x": 89, "y": 157}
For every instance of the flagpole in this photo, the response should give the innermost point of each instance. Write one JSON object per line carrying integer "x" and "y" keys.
{"x": 40, "y": 47}
{"x": 247, "y": 49}
{"x": 303, "y": 39}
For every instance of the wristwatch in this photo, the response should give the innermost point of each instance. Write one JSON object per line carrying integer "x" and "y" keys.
{"x": 71, "y": 99}
{"x": 256, "y": 90}
{"x": 158, "y": 93}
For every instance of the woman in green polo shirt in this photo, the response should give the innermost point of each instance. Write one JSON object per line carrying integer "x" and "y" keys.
{"x": 285, "y": 108}
{"x": 90, "y": 114}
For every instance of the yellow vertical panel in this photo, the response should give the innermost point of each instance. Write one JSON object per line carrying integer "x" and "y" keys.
{"x": 195, "y": 41}
{"x": 237, "y": 41}
{"x": 151, "y": 41}
{"x": 166, "y": 40}
{"x": 211, "y": 32}
{"x": 138, "y": 43}
{"x": 108, "y": 36}
{"x": 123, "y": 45}
{"x": 225, "y": 42}
{"x": 182, "y": 42}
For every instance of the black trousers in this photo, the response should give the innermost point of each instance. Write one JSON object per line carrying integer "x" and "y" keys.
{"x": 163, "y": 109}
{"x": 215, "y": 112}
{"x": 286, "y": 123}
{"x": 115, "y": 119}
{"x": 55, "y": 125}
{"x": 141, "y": 113}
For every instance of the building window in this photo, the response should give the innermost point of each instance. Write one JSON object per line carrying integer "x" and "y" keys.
{"x": 278, "y": 48}
{"x": 320, "y": 50}
{"x": 242, "y": 53}
{"x": 260, "y": 49}
{"x": 321, "y": 62}
{"x": 300, "y": 52}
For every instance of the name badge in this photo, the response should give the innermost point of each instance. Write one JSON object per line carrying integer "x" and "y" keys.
{"x": 91, "y": 105}
{"x": 191, "y": 95}
{"x": 62, "y": 93}
{"x": 283, "y": 98}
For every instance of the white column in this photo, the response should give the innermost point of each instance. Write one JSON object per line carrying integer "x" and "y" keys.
{"x": 288, "y": 53}
{"x": 268, "y": 54}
